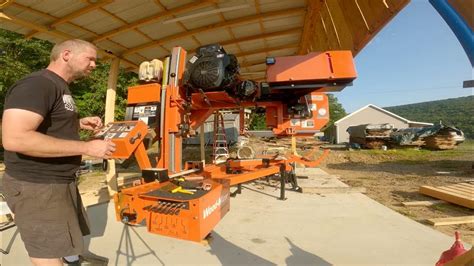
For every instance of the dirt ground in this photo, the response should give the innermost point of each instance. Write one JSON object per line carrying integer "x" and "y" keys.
{"x": 394, "y": 176}
{"x": 390, "y": 177}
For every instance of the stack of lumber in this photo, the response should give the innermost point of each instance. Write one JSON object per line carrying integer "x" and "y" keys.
{"x": 443, "y": 140}
{"x": 370, "y": 136}
{"x": 460, "y": 193}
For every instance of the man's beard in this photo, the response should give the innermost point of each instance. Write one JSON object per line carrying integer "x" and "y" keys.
{"x": 80, "y": 74}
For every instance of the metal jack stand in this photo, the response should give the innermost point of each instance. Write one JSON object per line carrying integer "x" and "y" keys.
{"x": 125, "y": 237}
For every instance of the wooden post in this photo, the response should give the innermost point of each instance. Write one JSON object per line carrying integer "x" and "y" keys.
{"x": 111, "y": 175}
{"x": 293, "y": 145}
{"x": 201, "y": 142}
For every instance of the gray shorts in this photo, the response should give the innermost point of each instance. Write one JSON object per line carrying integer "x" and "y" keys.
{"x": 50, "y": 217}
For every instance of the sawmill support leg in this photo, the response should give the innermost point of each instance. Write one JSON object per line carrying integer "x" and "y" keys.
{"x": 282, "y": 182}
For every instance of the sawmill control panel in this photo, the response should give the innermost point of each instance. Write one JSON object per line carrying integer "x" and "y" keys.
{"x": 126, "y": 135}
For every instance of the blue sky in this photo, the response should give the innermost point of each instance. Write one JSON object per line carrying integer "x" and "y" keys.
{"x": 414, "y": 58}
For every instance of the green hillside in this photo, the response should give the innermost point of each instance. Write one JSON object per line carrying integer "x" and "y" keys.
{"x": 458, "y": 112}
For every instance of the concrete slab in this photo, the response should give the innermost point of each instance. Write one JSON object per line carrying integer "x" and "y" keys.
{"x": 305, "y": 229}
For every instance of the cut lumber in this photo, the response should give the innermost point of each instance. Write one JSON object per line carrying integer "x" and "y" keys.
{"x": 333, "y": 190}
{"x": 452, "y": 220}
{"x": 451, "y": 194}
{"x": 422, "y": 203}
{"x": 90, "y": 198}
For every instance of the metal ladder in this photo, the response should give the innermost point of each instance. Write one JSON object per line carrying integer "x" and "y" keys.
{"x": 220, "y": 150}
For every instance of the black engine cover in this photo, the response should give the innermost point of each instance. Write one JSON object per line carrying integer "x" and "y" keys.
{"x": 212, "y": 68}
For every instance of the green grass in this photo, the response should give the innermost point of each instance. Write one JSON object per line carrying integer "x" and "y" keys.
{"x": 422, "y": 155}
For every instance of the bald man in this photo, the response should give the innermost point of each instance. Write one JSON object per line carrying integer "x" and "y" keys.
{"x": 43, "y": 151}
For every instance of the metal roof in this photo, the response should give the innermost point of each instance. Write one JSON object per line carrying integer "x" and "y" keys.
{"x": 141, "y": 30}
{"x": 380, "y": 110}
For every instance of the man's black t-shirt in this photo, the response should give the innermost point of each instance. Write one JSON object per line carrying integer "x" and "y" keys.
{"x": 47, "y": 94}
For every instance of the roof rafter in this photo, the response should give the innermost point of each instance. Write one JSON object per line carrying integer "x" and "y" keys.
{"x": 229, "y": 30}
{"x": 150, "y": 19}
{"x": 27, "y": 8}
{"x": 267, "y": 50}
{"x": 80, "y": 12}
{"x": 242, "y": 20}
{"x": 61, "y": 35}
{"x": 73, "y": 15}
{"x": 252, "y": 63}
{"x": 5, "y": 4}
{"x": 312, "y": 13}
{"x": 30, "y": 35}
{"x": 260, "y": 22}
{"x": 179, "y": 23}
{"x": 262, "y": 36}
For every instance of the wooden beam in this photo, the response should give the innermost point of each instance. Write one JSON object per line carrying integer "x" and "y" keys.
{"x": 266, "y": 50}
{"x": 262, "y": 36}
{"x": 111, "y": 175}
{"x": 452, "y": 220}
{"x": 5, "y": 3}
{"x": 312, "y": 11}
{"x": 260, "y": 22}
{"x": 73, "y": 15}
{"x": 229, "y": 30}
{"x": 80, "y": 12}
{"x": 449, "y": 195}
{"x": 153, "y": 18}
{"x": 62, "y": 35}
{"x": 252, "y": 63}
{"x": 3, "y": 16}
{"x": 333, "y": 24}
{"x": 178, "y": 22}
{"x": 422, "y": 203}
{"x": 29, "y": 35}
{"x": 229, "y": 23}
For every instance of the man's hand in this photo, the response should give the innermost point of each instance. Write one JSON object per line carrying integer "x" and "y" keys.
{"x": 93, "y": 123}
{"x": 100, "y": 148}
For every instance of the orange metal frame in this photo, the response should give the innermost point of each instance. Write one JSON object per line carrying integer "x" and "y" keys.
{"x": 192, "y": 216}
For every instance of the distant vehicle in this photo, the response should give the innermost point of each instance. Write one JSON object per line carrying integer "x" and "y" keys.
{"x": 458, "y": 137}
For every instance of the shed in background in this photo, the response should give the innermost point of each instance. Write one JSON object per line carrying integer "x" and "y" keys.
{"x": 369, "y": 114}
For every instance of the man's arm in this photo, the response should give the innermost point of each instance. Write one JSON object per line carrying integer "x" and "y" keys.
{"x": 19, "y": 135}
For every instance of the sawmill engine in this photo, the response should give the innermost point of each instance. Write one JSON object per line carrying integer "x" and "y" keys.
{"x": 212, "y": 69}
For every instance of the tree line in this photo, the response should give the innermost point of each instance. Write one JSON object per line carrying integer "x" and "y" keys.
{"x": 458, "y": 112}
{"x": 20, "y": 57}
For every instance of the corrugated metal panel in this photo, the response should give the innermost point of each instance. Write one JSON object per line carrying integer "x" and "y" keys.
{"x": 159, "y": 30}
{"x": 90, "y": 21}
{"x": 111, "y": 46}
{"x": 155, "y": 52}
{"x": 246, "y": 30}
{"x": 75, "y": 31}
{"x": 324, "y": 25}
{"x": 272, "y": 5}
{"x": 198, "y": 22}
{"x": 131, "y": 11}
{"x": 170, "y": 4}
{"x": 214, "y": 37}
{"x": 130, "y": 38}
{"x": 56, "y": 8}
{"x": 186, "y": 43}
